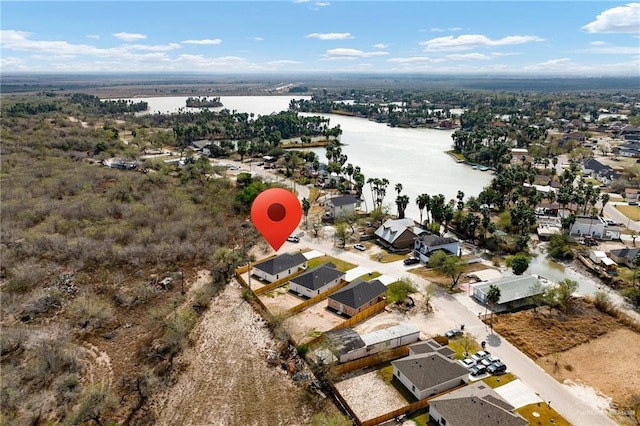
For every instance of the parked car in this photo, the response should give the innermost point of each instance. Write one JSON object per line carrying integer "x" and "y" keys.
{"x": 293, "y": 239}
{"x": 468, "y": 362}
{"x": 485, "y": 362}
{"x": 454, "y": 332}
{"x": 359, "y": 247}
{"x": 479, "y": 356}
{"x": 411, "y": 261}
{"x": 497, "y": 368}
{"x": 633, "y": 203}
{"x": 478, "y": 369}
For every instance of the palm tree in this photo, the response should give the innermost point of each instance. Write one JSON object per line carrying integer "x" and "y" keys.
{"x": 306, "y": 206}
{"x": 398, "y": 188}
{"x": 605, "y": 199}
{"x": 402, "y": 201}
{"x": 493, "y": 297}
{"x": 422, "y": 201}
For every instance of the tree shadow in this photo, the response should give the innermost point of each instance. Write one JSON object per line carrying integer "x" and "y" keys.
{"x": 493, "y": 340}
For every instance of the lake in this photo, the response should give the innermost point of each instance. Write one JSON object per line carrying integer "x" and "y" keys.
{"x": 416, "y": 158}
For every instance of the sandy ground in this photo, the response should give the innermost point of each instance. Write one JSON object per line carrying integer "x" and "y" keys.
{"x": 225, "y": 378}
{"x": 617, "y": 359}
{"x": 369, "y": 396}
{"x": 315, "y": 318}
{"x": 280, "y": 300}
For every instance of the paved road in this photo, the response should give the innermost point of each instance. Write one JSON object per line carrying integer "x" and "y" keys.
{"x": 615, "y": 214}
{"x": 461, "y": 309}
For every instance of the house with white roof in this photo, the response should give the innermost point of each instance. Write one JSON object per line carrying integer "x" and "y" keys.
{"x": 515, "y": 291}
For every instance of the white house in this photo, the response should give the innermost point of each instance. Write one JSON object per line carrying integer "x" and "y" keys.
{"x": 341, "y": 206}
{"x": 398, "y": 233}
{"x": 589, "y": 226}
{"x": 429, "y": 374}
{"x": 317, "y": 280}
{"x": 279, "y": 267}
{"x": 515, "y": 291}
{"x": 426, "y": 244}
{"x": 596, "y": 256}
{"x": 346, "y": 344}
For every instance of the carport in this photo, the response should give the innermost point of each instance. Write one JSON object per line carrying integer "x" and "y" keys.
{"x": 517, "y": 394}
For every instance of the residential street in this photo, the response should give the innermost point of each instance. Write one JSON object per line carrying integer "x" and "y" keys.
{"x": 461, "y": 309}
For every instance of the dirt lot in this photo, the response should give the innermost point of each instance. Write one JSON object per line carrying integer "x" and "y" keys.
{"x": 280, "y": 300}
{"x": 590, "y": 347}
{"x": 302, "y": 326}
{"x": 617, "y": 361}
{"x": 225, "y": 377}
{"x": 368, "y": 395}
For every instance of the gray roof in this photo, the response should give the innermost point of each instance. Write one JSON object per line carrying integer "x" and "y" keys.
{"x": 391, "y": 229}
{"x": 512, "y": 288}
{"x": 343, "y": 340}
{"x": 280, "y": 263}
{"x": 403, "y": 329}
{"x": 627, "y": 253}
{"x": 359, "y": 293}
{"x": 201, "y": 143}
{"x": 343, "y": 200}
{"x": 318, "y": 277}
{"x": 473, "y": 411}
{"x": 432, "y": 240}
{"x": 476, "y": 404}
{"x": 431, "y": 346}
{"x": 431, "y": 369}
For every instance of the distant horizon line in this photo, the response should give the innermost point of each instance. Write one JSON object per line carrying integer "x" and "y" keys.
{"x": 310, "y": 73}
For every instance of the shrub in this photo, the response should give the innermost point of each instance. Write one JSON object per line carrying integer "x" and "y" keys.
{"x": 602, "y": 302}
{"x": 90, "y": 311}
{"x": 399, "y": 290}
{"x": 25, "y": 275}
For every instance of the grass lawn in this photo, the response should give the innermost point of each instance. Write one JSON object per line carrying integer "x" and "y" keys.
{"x": 592, "y": 181}
{"x": 546, "y": 415}
{"x": 632, "y": 212}
{"x": 314, "y": 193}
{"x": 340, "y": 264}
{"x": 420, "y": 417}
{"x": 459, "y": 350}
{"x": 371, "y": 276}
{"x": 388, "y": 257}
{"x": 496, "y": 381}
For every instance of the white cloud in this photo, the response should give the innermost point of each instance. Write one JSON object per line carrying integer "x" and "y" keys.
{"x": 206, "y": 41}
{"x": 614, "y": 50}
{"x": 621, "y": 19}
{"x": 257, "y": 38}
{"x": 322, "y": 4}
{"x": 344, "y": 53}
{"x": 381, "y": 45}
{"x": 329, "y": 36}
{"x": 414, "y": 60}
{"x": 153, "y": 48}
{"x": 473, "y": 56}
{"x": 129, "y": 36}
{"x": 93, "y": 36}
{"x": 598, "y": 43}
{"x": 470, "y": 41}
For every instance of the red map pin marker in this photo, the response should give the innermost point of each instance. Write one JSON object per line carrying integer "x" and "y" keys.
{"x": 276, "y": 212}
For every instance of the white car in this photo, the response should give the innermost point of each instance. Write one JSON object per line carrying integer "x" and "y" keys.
{"x": 359, "y": 247}
{"x": 468, "y": 362}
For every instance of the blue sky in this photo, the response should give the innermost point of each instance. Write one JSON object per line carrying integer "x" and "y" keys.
{"x": 592, "y": 38}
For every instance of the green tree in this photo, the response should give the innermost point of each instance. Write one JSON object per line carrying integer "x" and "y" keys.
{"x": 398, "y": 291}
{"x": 423, "y": 201}
{"x": 493, "y": 297}
{"x": 564, "y": 293}
{"x": 342, "y": 233}
{"x": 453, "y": 267}
{"x": 520, "y": 263}
{"x": 402, "y": 202}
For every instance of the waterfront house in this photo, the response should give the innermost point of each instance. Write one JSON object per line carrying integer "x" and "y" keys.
{"x": 341, "y": 206}
{"x": 398, "y": 234}
{"x": 515, "y": 291}
{"x": 427, "y": 243}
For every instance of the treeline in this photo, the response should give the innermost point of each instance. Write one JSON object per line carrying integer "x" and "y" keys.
{"x": 119, "y": 106}
{"x": 203, "y": 102}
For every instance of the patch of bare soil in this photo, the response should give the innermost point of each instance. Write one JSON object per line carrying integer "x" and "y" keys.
{"x": 543, "y": 334}
{"x": 610, "y": 364}
{"x": 225, "y": 378}
{"x": 368, "y": 395}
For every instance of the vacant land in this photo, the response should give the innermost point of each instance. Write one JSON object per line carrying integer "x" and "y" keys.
{"x": 586, "y": 347}
{"x": 233, "y": 338}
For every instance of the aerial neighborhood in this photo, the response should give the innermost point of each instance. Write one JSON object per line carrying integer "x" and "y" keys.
{"x": 396, "y": 298}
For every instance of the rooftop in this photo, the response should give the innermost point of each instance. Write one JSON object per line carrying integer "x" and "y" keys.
{"x": 280, "y": 263}
{"x": 318, "y": 277}
{"x": 400, "y": 330}
{"x": 359, "y": 292}
{"x": 513, "y": 288}
{"x": 430, "y": 369}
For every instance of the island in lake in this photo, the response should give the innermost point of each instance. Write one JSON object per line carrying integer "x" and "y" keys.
{"x": 203, "y": 102}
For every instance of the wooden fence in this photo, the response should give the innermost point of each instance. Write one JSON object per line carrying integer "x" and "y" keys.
{"x": 374, "y": 359}
{"x": 279, "y": 283}
{"x": 410, "y": 408}
{"x": 315, "y": 299}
